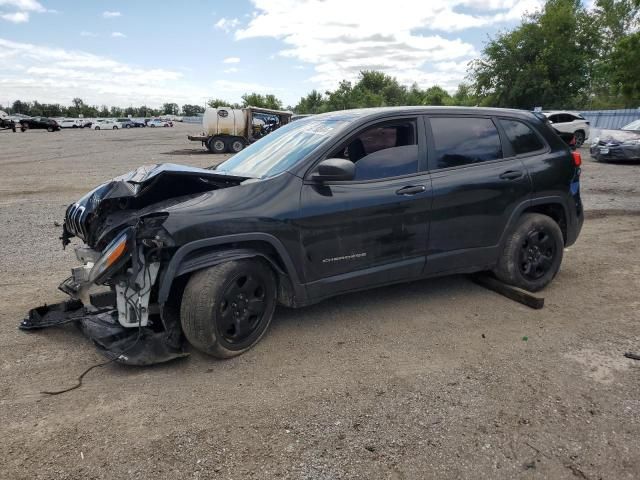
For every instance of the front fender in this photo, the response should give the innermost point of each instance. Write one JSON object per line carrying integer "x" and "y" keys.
{"x": 211, "y": 251}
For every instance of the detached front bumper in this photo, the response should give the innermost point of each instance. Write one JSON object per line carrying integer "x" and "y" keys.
{"x": 115, "y": 307}
{"x": 131, "y": 346}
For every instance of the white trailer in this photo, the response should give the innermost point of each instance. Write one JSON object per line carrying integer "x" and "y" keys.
{"x": 229, "y": 129}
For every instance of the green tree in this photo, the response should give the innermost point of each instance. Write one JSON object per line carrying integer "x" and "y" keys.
{"x": 191, "y": 110}
{"x": 312, "y": 103}
{"x": 436, "y": 95}
{"x": 262, "y": 101}
{"x": 625, "y": 69}
{"x": 536, "y": 64}
{"x": 170, "y": 108}
{"x": 217, "y": 102}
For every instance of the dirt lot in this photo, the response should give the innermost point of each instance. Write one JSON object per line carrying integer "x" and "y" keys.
{"x": 435, "y": 379}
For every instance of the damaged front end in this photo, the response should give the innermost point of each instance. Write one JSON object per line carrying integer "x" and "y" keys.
{"x": 113, "y": 293}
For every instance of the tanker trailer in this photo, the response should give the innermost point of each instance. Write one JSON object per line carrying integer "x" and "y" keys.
{"x": 229, "y": 129}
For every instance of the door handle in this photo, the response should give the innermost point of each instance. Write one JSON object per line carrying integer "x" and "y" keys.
{"x": 511, "y": 175}
{"x": 411, "y": 190}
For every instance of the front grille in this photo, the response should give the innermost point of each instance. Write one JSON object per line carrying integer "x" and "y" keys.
{"x": 75, "y": 221}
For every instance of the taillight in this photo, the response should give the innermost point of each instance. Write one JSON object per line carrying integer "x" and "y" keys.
{"x": 577, "y": 159}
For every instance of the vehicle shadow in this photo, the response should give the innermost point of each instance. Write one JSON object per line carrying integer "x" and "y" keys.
{"x": 187, "y": 151}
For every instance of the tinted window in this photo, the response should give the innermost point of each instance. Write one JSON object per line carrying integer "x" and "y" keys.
{"x": 522, "y": 138}
{"x": 383, "y": 151}
{"x": 461, "y": 141}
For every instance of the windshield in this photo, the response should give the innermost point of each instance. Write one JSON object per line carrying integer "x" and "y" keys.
{"x": 281, "y": 149}
{"x": 632, "y": 126}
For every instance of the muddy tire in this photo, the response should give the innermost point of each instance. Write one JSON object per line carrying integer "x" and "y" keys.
{"x": 227, "y": 308}
{"x": 532, "y": 253}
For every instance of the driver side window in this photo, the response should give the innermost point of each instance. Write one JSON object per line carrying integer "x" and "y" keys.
{"x": 386, "y": 150}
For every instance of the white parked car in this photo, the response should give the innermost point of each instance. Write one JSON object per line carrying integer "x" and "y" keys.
{"x": 569, "y": 122}
{"x": 156, "y": 122}
{"x": 106, "y": 125}
{"x": 70, "y": 123}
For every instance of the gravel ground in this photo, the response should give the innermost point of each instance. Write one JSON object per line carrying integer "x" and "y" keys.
{"x": 438, "y": 378}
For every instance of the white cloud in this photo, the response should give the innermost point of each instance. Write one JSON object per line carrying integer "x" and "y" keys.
{"x": 16, "y": 17}
{"x": 227, "y": 24}
{"x": 118, "y": 35}
{"x": 55, "y": 75}
{"x": 230, "y": 70}
{"x": 22, "y": 10}
{"x": 403, "y": 39}
{"x": 109, "y": 14}
{"x": 231, "y": 60}
{"x": 23, "y": 5}
{"x": 84, "y": 33}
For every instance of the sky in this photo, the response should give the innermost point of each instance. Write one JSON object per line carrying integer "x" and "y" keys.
{"x": 138, "y": 52}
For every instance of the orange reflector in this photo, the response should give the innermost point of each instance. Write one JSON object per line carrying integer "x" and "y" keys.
{"x": 117, "y": 253}
{"x": 577, "y": 159}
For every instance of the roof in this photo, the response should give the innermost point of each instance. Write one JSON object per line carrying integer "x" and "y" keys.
{"x": 363, "y": 113}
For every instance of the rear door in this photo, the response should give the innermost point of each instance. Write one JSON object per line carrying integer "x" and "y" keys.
{"x": 373, "y": 229}
{"x": 477, "y": 184}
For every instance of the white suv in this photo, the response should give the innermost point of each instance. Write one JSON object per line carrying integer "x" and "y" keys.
{"x": 570, "y": 122}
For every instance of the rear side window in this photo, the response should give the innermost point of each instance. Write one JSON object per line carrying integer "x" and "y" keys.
{"x": 522, "y": 138}
{"x": 462, "y": 141}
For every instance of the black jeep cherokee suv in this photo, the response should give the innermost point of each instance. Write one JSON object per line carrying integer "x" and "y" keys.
{"x": 328, "y": 204}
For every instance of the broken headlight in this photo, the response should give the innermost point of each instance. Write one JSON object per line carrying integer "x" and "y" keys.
{"x": 113, "y": 257}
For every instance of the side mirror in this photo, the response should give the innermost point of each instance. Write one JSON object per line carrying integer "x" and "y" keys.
{"x": 335, "y": 169}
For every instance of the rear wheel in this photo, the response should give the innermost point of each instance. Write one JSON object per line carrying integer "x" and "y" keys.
{"x": 49, "y": 129}
{"x": 532, "y": 253}
{"x": 227, "y": 308}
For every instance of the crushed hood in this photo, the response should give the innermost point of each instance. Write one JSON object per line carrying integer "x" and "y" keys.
{"x": 140, "y": 188}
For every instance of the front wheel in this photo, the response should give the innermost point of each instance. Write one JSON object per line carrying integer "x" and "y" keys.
{"x": 580, "y": 138}
{"x": 216, "y": 145}
{"x": 97, "y": 128}
{"x": 115, "y": 128}
{"x": 49, "y": 129}
{"x": 227, "y": 308}
{"x": 532, "y": 253}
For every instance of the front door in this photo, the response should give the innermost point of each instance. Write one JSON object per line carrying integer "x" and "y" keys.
{"x": 373, "y": 229}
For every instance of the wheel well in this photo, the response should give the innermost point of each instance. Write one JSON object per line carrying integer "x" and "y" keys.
{"x": 264, "y": 252}
{"x": 555, "y": 211}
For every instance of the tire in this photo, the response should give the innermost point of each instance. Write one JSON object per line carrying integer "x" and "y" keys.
{"x": 49, "y": 129}
{"x": 115, "y": 127}
{"x": 580, "y": 138}
{"x": 216, "y": 145}
{"x": 23, "y": 129}
{"x": 532, "y": 253}
{"x": 235, "y": 145}
{"x": 217, "y": 315}
{"x": 152, "y": 126}
{"x": 97, "y": 128}
{"x": 127, "y": 126}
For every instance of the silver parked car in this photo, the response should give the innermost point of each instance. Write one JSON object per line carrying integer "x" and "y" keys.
{"x": 623, "y": 144}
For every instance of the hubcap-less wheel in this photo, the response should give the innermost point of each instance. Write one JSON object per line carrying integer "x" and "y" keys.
{"x": 236, "y": 146}
{"x": 218, "y": 146}
{"x": 242, "y": 308}
{"x": 536, "y": 254}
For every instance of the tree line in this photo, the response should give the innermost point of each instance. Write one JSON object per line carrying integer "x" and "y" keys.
{"x": 564, "y": 56}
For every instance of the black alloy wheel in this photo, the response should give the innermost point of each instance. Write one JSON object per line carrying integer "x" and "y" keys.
{"x": 536, "y": 254}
